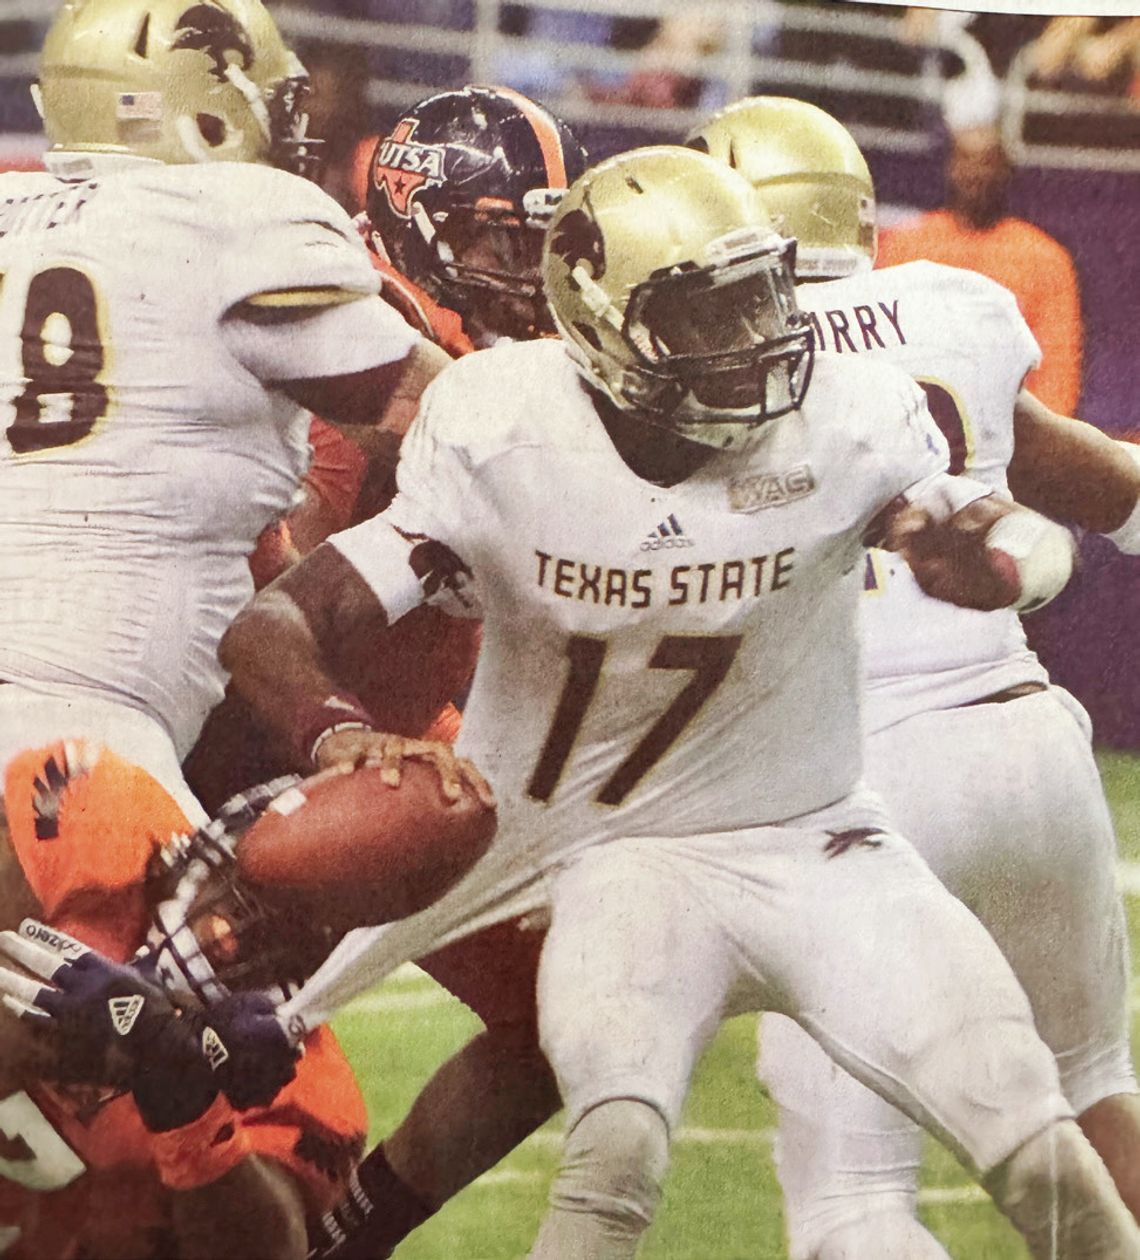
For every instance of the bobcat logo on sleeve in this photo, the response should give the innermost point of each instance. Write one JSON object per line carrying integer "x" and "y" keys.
{"x": 445, "y": 579}
{"x": 403, "y": 167}
{"x": 206, "y": 28}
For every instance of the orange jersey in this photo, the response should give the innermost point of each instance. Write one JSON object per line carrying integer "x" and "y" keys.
{"x": 83, "y": 827}
{"x": 1035, "y": 268}
{"x": 439, "y": 323}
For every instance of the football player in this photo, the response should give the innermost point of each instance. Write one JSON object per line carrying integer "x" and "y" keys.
{"x": 173, "y": 303}
{"x": 224, "y": 912}
{"x": 459, "y": 196}
{"x": 986, "y": 766}
{"x": 176, "y": 299}
{"x": 140, "y": 1152}
{"x": 661, "y": 517}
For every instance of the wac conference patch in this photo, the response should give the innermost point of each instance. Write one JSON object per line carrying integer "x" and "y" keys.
{"x": 770, "y": 490}
{"x": 403, "y": 167}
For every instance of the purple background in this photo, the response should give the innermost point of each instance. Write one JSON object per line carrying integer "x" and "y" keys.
{"x": 1089, "y": 637}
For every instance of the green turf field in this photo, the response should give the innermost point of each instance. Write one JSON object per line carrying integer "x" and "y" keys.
{"x": 721, "y": 1200}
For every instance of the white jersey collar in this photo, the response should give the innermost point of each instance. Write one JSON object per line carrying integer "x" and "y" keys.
{"x": 75, "y": 165}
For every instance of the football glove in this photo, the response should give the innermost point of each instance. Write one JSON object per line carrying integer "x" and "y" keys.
{"x": 176, "y": 1061}
{"x": 104, "y": 1009}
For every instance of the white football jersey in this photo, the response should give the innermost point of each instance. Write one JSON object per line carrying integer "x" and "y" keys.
{"x": 688, "y": 653}
{"x": 141, "y": 452}
{"x": 963, "y": 339}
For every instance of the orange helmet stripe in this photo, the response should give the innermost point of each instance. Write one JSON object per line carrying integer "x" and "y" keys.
{"x": 546, "y": 132}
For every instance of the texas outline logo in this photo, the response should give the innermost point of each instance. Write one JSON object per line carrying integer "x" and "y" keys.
{"x": 402, "y": 168}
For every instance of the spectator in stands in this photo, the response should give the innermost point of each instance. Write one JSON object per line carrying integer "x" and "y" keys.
{"x": 1089, "y": 54}
{"x": 655, "y": 82}
{"x": 976, "y": 231}
{"x": 1000, "y": 35}
{"x": 549, "y": 70}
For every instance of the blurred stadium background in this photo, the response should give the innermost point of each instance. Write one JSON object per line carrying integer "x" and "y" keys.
{"x": 626, "y": 72}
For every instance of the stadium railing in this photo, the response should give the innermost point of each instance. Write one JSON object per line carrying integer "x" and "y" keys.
{"x": 852, "y": 63}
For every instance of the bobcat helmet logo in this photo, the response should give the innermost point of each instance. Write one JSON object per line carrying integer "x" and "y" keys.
{"x": 402, "y": 167}
{"x": 212, "y": 30}
{"x": 577, "y": 240}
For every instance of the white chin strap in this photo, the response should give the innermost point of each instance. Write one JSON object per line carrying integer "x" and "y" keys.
{"x": 253, "y": 98}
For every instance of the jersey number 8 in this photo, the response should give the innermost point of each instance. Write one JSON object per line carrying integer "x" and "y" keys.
{"x": 62, "y": 357}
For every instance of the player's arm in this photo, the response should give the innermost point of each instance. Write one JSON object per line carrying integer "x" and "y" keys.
{"x": 303, "y": 312}
{"x": 1073, "y": 472}
{"x": 278, "y": 650}
{"x": 986, "y": 553}
{"x": 255, "y": 1209}
{"x": 385, "y": 396}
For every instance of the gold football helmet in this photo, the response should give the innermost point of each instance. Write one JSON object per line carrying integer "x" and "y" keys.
{"x": 811, "y": 174}
{"x": 176, "y": 80}
{"x": 675, "y": 293}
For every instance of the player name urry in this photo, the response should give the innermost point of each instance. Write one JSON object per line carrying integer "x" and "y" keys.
{"x": 718, "y": 581}
{"x": 859, "y": 328}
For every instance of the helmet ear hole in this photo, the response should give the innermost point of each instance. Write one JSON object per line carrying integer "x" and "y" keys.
{"x": 212, "y": 128}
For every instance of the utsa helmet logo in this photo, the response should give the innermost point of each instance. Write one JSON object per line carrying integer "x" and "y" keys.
{"x": 214, "y": 31}
{"x": 403, "y": 167}
{"x": 577, "y": 240}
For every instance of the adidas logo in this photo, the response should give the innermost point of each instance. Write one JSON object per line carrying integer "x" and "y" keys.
{"x": 668, "y": 534}
{"x": 212, "y": 1047}
{"x": 124, "y": 1012}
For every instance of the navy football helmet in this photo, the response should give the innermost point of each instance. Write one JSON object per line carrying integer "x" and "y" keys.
{"x": 211, "y": 932}
{"x": 460, "y": 193}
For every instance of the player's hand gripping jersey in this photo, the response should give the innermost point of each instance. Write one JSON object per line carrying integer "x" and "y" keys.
{"x": 77, "y": 1175}
{"x": 146, "y": 311}
{"x": 625, "y": 617}
{"x": 963, "y": 339}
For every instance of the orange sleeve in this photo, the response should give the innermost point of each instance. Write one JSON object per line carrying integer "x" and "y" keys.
{"x": 330, "y": 489}
{"x": 336, "y": 473}
{"x": 443, "y": 325}
{"x": 908, "y": 241}
{"x": 316, "y": 1126}
{"x": 1052, "y": 309}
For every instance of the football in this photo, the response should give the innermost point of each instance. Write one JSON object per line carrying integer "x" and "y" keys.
{"x": 349, "y": 848}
